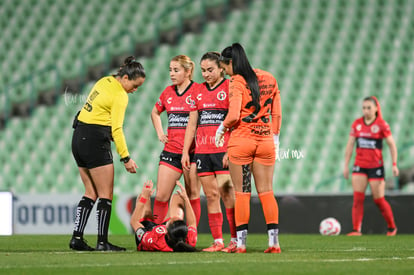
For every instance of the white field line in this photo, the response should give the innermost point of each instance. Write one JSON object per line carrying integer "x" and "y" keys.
{"x": 274, "y": 260}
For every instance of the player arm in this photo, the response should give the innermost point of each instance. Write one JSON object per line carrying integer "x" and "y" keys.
{"x": 393, "y": 149}
{"x": 349, "y": 149}
{"x": 276, "y": 112}
{"x": 190, "y": 131}
{"x": 235, "y": 103}
{"x": 189, "y": 213}
{"x": 117, "y": 114}
{"x": 156, "y": 121}
{"x": 140, "y": 205}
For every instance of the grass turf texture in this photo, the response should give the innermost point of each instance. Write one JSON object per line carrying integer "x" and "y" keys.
{"x": 301, "y": 254}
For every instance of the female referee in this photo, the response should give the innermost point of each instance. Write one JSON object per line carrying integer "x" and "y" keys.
{"x": 173, "y": 236}
{"x": 254, "y": 139}
{"x": 100, "y": 121}
{"x": 208, "y": 111}
{"x": 176, "y": 100}
{"x": 368, "y": 132}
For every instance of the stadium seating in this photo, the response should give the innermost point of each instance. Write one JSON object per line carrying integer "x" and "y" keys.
{"x": 326, "y": 55}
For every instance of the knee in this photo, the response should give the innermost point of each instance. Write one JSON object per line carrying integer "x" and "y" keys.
{"x": 213, "y": 195}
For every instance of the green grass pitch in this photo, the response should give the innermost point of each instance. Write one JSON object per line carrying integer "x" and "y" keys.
{"x": 301, "y": 254}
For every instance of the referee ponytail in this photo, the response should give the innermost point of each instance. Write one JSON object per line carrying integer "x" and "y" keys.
{"x": 132, "y": 68}
{"x": 241, "y": 66}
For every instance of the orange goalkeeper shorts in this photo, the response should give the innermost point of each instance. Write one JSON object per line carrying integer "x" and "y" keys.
{"x": 243, "y": 151}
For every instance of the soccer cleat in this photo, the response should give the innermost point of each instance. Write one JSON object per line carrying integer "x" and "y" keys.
{"x": 240, "y": 250}
{"x": 78, "y": 243}
{"x": 392, "y": 231}
{"x": 273, "y": 249}
{"x": 354, "y": 233}
{"x": 106, "y": 246}
{"x": 230, "y": 248}
{"x": 214, "y": 248}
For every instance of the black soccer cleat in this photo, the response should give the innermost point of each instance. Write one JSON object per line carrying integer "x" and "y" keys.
{"x": 78, "y": 243}
{"x": 106, "y": 246}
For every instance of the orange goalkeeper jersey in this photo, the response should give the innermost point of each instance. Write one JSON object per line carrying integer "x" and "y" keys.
{"x": 244, "y": 117}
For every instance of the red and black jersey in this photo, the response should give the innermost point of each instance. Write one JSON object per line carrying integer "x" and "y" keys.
{"x": 369, "y": 142}
{"x": 154, "y": 240}
{"x": 178, "y": 109}
{"x": 212, "y": 106}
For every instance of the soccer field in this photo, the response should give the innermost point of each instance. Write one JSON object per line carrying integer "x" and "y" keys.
{"x": 301, "y": 254}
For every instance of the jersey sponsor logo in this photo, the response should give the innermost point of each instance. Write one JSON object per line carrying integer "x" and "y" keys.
{"x": 221, "y": 95}
{"x": 209, "y": 105}
{"x": 358, "y": 127}
{"x": 177, "y": 120}
{"x": 159, "y": 102}
{"x": 261, "y": 130}
{"x": 211, "y": 117}
{"x": 375, "y": 129}
{"x": 169, "y": 100}
{"x": 177, "y": 108}
{"x": 369, "y": 143}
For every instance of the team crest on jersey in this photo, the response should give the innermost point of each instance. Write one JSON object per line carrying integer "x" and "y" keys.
{"x": 160, "y": 230}
{"x": 169, "y": 100}
{"x": 375, "y": 129}
{"x": 358, "y": 127}
{"x": 189, "y": 101}
{"x": 221, "y": 95}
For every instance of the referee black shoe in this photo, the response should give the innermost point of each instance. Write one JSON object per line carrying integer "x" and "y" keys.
{"x": 106, "y": 246}
{"x": 78, "y": 243}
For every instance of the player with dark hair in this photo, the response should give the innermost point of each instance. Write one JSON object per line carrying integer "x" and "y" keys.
{"x": 100, "y": 121}
{"x": 175, "y": 235}
{"x": 254, "y": 140}
{"x": 208, "y": 111}
{"x": 368, "y": 133}
{"x": 176, "y": 100}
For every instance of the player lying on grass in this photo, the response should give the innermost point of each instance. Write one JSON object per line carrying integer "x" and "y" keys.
{"x": 172, "y": 236}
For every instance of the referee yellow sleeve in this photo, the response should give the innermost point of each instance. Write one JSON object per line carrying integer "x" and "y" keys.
{"x": 117, "y": 116}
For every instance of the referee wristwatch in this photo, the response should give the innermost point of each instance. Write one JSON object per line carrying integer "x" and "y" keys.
{"x": 125, "y": 159}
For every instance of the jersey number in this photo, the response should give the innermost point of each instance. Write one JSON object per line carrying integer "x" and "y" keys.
{"x": 252, "y": 116}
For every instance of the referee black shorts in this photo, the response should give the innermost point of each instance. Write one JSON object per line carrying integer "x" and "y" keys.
{"x": 91, "y": 145}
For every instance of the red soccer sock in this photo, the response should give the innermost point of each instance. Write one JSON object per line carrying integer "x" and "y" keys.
{"x": 215, "y": 220}
{"x": 270, "y": 207}
{"x": 195, "y": 204}
{"x": 160, "y": 211}
{"x": 242, "y": 208}
{"x": 232, "y": 222}
{"x": 386, "y": 211}
{"x": 358, "y": 210}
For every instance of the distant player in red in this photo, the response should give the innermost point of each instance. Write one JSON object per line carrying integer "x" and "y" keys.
{"x": 368, "y": 133}
{"x": 209, "y": 110}
{"x": 176, "y": 101}
{"x": 175, "y": 235}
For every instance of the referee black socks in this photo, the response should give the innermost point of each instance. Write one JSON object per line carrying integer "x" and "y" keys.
{"x": 103, "y": 215}
{"x": 82, "y": 214}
